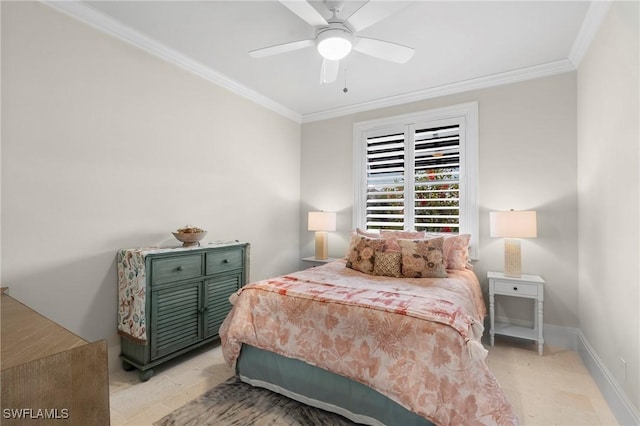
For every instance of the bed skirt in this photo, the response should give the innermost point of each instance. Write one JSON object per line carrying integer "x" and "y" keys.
{"x": 322, "y": 389}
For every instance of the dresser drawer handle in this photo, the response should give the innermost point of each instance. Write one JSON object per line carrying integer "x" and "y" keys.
{"x": 225, "y": 261}
{"x": 179, "y": 268}
{"x": 515, "y": 288}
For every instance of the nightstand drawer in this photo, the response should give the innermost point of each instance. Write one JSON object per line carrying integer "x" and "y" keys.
{"x": 514, "y": 288}
{"x": 176, "y": 269}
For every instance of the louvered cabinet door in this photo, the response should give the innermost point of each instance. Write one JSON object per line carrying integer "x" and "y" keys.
{"x": 175, "y": 317}
{"x": 217, "y": 305}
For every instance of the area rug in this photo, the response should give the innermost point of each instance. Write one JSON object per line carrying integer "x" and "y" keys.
{"x": 236, "y": 403}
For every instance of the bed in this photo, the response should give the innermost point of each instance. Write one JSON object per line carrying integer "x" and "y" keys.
{"x": 377, "y": 349}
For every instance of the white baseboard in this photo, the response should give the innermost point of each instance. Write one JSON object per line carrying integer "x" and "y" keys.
{"x": 620, "y": 405}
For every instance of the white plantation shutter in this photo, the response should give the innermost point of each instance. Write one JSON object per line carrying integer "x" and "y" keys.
{"x": 385, "y": 182}
{"x": 418, "y": 171}
{"x": 436, "y": 179}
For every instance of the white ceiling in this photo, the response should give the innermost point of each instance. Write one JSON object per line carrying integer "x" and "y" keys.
{"x": 458, "y": 45}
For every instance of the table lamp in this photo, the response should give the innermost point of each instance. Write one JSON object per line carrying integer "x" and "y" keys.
{"x": 321, "y": 223}
{"x": 512, "y": 226}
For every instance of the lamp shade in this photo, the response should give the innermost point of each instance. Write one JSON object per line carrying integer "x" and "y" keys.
{"x": 322, "y": 221}
{"x": 513, "y": 224}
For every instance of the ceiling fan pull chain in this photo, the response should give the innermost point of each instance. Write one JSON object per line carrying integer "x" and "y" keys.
{"x": 345, "y": 90}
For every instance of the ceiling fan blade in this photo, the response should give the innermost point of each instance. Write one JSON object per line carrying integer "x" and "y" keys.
{"x": 372, "y": 12}
{"x": 329, "y": 71}
{"x": 383, "y": 49}
{"x": 281, "y": 48}
{"x": 305, "y": 11}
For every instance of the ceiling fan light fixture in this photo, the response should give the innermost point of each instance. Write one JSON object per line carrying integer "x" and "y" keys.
{"x": 334, "y": 44}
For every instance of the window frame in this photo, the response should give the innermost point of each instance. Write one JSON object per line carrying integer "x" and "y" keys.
{"x": 466, "y": 115}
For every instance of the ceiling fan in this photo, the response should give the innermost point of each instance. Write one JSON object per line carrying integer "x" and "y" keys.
{"x": 335, "y": 37}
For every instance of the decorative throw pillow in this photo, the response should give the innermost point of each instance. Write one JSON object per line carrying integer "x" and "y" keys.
{"x": 411, "y": 235}
{"x": 423, "y": 258}
{"x": 455, "y": 249}
{"x": 367, "y": 233}
{"x": 392, "y": 237}
{"x": 387, "y": 264}
{"x": 458, "y": 251}
{"x": 361, "y": 253}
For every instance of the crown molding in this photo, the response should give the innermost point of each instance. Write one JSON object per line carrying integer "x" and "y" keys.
{"x": 112, "y": 27}
{"x": 596, "y": 13}
{"x": 538, "y": 71}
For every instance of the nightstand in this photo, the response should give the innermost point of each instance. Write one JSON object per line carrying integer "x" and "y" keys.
{"x": 318, "y": 262}
{"x": 526, "y": 286}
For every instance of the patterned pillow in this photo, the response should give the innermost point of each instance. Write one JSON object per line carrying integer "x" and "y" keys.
{"x": 458, "y": 252}
{"x": 414, "y": 235}
{"x": 361, "y": 253}
{"x": 387, "y": 264}
{"x": 392, "y": 237}
{"x": 367, "y": 233}
{"x": 423, "y": 258}
{"x": 456, "y": 249}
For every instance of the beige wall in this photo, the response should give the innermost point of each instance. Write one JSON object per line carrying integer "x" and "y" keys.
{"x": 105, "y": 146}
{"x": 608, "y": 193}
{"x": 527, "y": 134}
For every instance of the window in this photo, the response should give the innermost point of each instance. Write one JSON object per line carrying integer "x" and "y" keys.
{"x": 418, "y": 171}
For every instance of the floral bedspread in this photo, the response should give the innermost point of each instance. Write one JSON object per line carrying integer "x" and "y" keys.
{"x": 414, "y": 340}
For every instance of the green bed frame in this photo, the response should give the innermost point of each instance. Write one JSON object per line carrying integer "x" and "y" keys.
{"x": 321, "y": 388}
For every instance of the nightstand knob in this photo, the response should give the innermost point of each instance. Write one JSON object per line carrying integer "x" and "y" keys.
{"x": 179, "y": 268}
{"x": 515, "y": 288}
{"x": 225, "y": 261}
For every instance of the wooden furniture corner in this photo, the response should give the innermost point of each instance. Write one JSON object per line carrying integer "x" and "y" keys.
{"x": 49, "y": 374}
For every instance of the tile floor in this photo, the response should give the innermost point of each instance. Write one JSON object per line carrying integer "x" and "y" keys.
{"x": 554, "y": 389}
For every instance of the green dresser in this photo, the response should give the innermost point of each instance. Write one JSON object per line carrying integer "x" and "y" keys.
{"x": 174, "y": 300}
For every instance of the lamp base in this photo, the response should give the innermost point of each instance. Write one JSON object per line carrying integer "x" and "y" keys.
{"x": 321, "y": 245}
{"x": 512, "y": 258}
